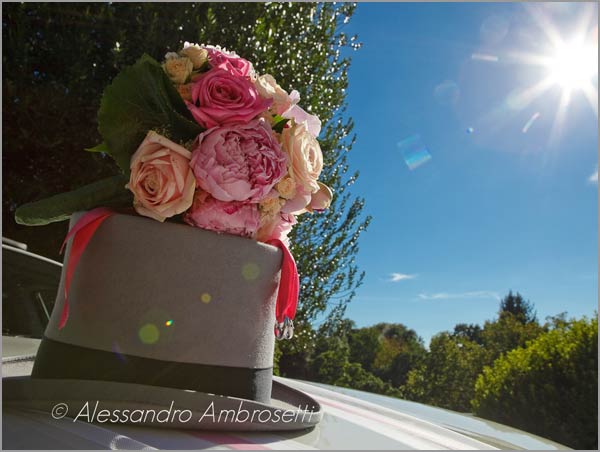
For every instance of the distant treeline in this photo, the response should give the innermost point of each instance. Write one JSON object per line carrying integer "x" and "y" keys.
{"x": 542, "y": 378}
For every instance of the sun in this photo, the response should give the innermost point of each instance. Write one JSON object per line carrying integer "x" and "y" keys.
{"x": 573, "y": 65}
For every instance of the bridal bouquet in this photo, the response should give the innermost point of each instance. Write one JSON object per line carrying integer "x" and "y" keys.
{"x": 203, "y": 138}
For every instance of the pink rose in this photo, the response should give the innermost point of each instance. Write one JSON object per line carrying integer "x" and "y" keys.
{"x": 161, "y": 179}
{"x": 219, "y": 97}
{"x": 231, "y": 217}
{"x": 229, "y": 61}
{"x": 277, "y": 228}
{"x": 238, "y": 162}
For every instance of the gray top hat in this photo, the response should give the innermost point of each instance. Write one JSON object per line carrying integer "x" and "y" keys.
{"x": 167, "y": 313}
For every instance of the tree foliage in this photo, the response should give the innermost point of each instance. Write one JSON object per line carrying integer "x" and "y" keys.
{"x": 331, "y": 361}
{"x": 447, "y": 376}
{"x": 448, "y": 373}
{"x": 549, "y": 387}
{"x": 469, "y": 332}
{"x": 519, "y": 308}
{"x": 507, "y": 333}
{"x": 59, "y": 57}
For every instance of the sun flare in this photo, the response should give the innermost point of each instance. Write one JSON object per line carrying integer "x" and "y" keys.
{"x": 574, "y": 65}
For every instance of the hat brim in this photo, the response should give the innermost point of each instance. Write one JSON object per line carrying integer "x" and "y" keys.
{"x": 136, "y": 404}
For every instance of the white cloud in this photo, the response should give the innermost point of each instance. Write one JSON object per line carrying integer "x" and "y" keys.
{"x": 463, "y": 295}
{"x": 395, "y": 277}
{"x": 593, "y": 179}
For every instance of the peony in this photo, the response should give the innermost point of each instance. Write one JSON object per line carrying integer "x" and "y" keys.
{"x": 161, "y": 179}
{"x": 238, "y": 162}
{"x": 219, "y": 97}
{"x": 178, "y": 69}
{"x": 231, "y": 217}
{"x": 197, "y": 55}
{"x": 269, "y": 89}
{"x": 229, "y": 61}
{"x": 305, "y": 157}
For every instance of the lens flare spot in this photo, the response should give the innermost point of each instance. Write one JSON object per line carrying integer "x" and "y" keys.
{"x": 250, "y": 271}
{"x": 470, "y": 130}
{"x": 168, "y": 323}
{"x": 413, "y": 150}
{"x": 484, "y": 57}
{"x": 205, "y": 298}
{"x": 530, "y": 122}
{"x": 117, "y": 351}
{"x": 149, "y": 334}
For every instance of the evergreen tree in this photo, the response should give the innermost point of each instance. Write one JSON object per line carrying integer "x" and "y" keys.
{"x": 518, "y": 307}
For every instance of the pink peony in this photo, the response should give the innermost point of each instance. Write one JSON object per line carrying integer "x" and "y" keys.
{"x": 238, "y": 162}
{"x": 219, "y": 97}
{"x": 229, "y": 61}
{"x": 161, "y": 179}
{"x": 231, "y": 217}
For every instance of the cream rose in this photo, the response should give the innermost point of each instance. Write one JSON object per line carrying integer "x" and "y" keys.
{"x": 305, "y": 156}
{"x": 269, "y": 208}
{"x": 161, "y": 179}
{"x": 197, "y": 55}
{"x": 178, "y": 69}
{"x": 286, "y": 188}
{"x": 268, "y": 88}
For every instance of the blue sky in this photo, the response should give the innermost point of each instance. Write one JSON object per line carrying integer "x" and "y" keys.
{"x": 501, "y": 195}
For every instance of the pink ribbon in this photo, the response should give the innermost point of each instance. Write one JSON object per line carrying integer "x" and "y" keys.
{"x": 82, "y": 232}
{"x": 289, "y": 285}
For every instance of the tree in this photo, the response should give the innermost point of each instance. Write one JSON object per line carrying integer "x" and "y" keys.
{"x": 364, "y": 346}
{"x": 331, "y": 363}
{"x": 469, "y": 332}
{"x": 518, "y": 307}
{"x": 450, "y": 369}
{"x": 401, "y": 349}
{"x": 549, "y": 387}
{"x": 448, "y": 373}
{"x": 507, "y": 333}
{"x": 59, "y": 57}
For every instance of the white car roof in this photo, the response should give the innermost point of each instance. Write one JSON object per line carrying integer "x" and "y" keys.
{"x": 352, "y": 420}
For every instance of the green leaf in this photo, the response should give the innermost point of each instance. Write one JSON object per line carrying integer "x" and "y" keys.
{"x": 139, "y": 99}
{"x": 279, "y": 123}
{"x": 110, "y": 192}
{"x": 102, "y": 147}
